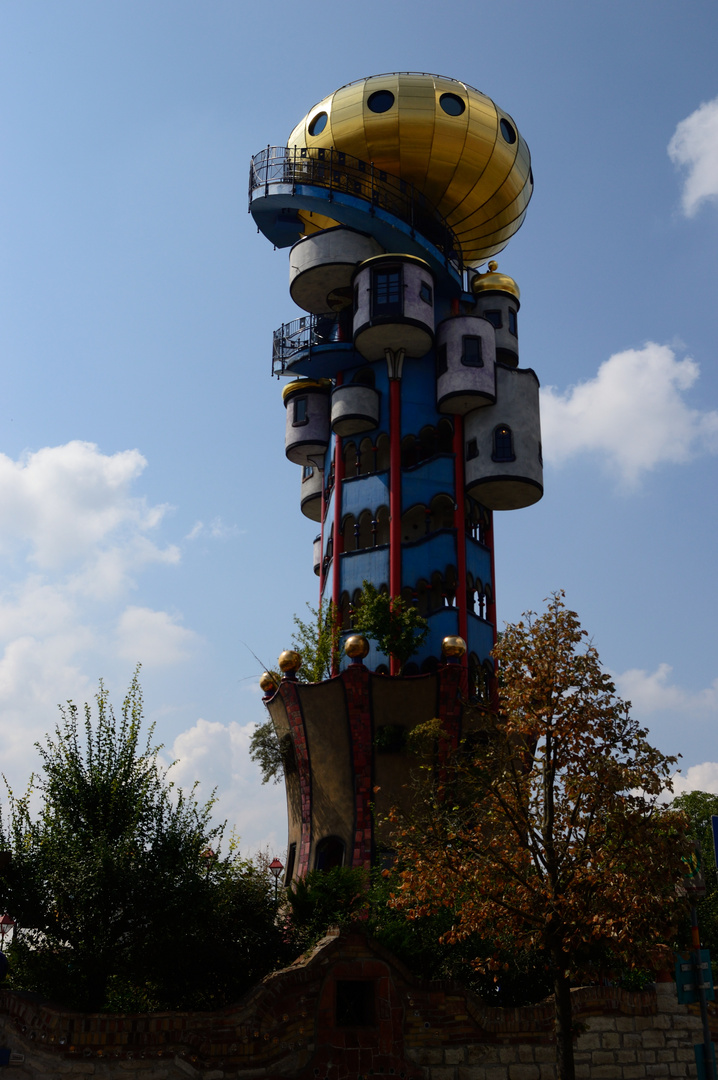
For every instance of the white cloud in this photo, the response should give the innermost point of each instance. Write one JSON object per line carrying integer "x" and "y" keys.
{"x": 218, "y": 755}
{"x": 153, "y": 638}
{"x": 703, "y": 777}
{"x": 652, "y": 692}
{"x": 694, "y": 147}
{"x": 632, "y": 414}
{"x": 216, "y": 530}
{"x": 74, "y": 536}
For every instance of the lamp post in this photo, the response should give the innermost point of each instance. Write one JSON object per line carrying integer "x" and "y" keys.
{"x": 7, "y": 926}
{"x": 275, "y": 868}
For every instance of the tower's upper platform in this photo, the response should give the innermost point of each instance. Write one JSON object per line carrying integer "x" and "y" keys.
{"x": 453, "y": 144}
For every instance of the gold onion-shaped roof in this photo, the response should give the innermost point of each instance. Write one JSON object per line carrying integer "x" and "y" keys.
{"x": 493, "y": 281}
{"x": 457, "y": 148}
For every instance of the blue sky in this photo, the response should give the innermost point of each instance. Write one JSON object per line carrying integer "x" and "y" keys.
{"x": 147, "y": 512}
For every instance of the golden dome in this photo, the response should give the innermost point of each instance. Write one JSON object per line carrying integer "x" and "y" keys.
{"x": 266, "y": 682}
{"x": 453, "y": 647}
{"x": 495, "y": 282}
{"x": 356, "y": 646}
{"x": 289, "y": 661}
{"x": 457, "y": 148}
{"x": 305, "y": 384}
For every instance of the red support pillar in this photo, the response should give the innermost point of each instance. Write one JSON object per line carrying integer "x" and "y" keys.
{"x": 394, "y": 494}
{"x": 337, "y": 547}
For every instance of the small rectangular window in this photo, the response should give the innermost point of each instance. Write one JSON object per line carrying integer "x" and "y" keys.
{"x": 355, "y": 1003}
{"x": 471, "y": 351}
{"x": 300, "y": 411}
{"x": 386, "y": 292}
{"x": 494, "y": 317}
{"x": 512, "y": 322}
{"x": 472, "y": 449}
{"x": 442, "y": 363}
{"x": 307, "y": 471}
{"x": 426, "y": 292}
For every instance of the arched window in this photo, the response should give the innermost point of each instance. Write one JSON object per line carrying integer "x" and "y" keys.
{"x": 344, "y": 611}
{"x": 348, "y": 534}
{"x": 366, "y": 457}
{"x": 429, "y": 666}
{"x": 382, "y": 526}
{"x": 422, "y": 596}
{"x": 365, "y": 531}
{"x": 503, "y": 444}
{"x": 445, "y": 436}
{"x": 364, "y": 377}
{"x": 382, "y": 453}
{"x": 441, "y": 513}
{"x": 436, "y": 596}
{"x": 409, "y": 452}
{"x": 427, "y": 443}
{"x": 329, "y": 853}
{"x": 413, "y": 524}
{"x": 350, "y": 460}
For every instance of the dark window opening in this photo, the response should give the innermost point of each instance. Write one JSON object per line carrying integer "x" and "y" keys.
{"x": 540, "y": 453}
{"x": 426, "y": 293}
{"x": 307, "y": 471}
{"x": 471, "y": 355}
{"x": 329, "y": 854}
{"x": 512, "y": 322}
{"x": 300, "y": 411}
{"x": 508, "y": 131}
{"x": 355, "y": 1003}
{"x": 386, "y": 293}
{"x": 318, "y": 123}
{"x": 503, "y": 444}
{"x": 452, "y": 104}
{"x": 291, "y": 858}
{"x": 442, "y": 363}
{"x": 380, "y": 101}
{"x": 364, "y": 377}
{"x": 472, "y": 449}
{"x": 494, "y": 317}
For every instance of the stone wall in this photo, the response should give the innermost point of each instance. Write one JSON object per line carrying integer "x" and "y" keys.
{"x": 349, "y": 1011}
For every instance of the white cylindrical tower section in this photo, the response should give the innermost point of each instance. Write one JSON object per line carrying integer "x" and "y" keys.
{"x": 498, "y": 301}
{"x": 307, "y": 432}
{"x": 355, "y": 408}
{"x": 502, "y": 444}
{"x": 465, "y": 364}
{"x": 393, "y": 306}
{"x": 321, "y": 268}
{"x": 317, "y": 554}
{"x": 311, "y": 497}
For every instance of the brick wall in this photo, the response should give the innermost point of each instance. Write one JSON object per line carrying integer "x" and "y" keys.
{"x": 291, "y": 1026}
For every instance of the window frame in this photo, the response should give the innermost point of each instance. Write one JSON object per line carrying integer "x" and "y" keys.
{"x": 296, "y": 402}
{"x": 504, "y": 432}
{"x": 387, "y": 307}
{"x": 470, "y": 363}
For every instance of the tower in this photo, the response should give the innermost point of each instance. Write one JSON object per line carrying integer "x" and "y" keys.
{"x": 407, "y": 411}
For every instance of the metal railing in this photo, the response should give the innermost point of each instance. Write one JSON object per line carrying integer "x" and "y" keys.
{"x": 303, "y": 334}
{"x": 336, "y": 171}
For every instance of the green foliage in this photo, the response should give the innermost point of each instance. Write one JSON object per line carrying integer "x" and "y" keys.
{"x": 326, "y": 898}
{"x": 396, "y": 626}
{"x": 119, "y": 900}
{"x": 699, "y": 807}
{"x": 317, "y": 642}
{"x": 274, "y": 756}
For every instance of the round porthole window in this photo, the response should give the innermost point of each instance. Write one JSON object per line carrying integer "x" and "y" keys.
{"x": 452, "y": 104}
{"x": 380, "y": 101}
{"x": 508, "y": 131}
{"x": 318, "y": 123}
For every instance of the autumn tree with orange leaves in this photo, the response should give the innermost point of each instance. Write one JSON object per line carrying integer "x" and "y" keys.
{"x": 544, "y": 829}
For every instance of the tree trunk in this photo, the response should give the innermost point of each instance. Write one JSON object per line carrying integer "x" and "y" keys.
{"x": 564, "y": 1021}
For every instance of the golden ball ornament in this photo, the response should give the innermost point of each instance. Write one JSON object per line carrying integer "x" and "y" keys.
{"x": 289, "y": 661}
{"x": 453, "y": 647}
{"x": 356, "y": 647}
{"x": 266, "y": 682}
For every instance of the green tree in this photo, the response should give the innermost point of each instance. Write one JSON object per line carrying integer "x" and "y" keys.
{"x": 548, "y": 826}
{"x": 397, "y": 626}
{"x": 113, "y": 882}
{"x": 699, "y": 807}
{"x": 317, "y": 642}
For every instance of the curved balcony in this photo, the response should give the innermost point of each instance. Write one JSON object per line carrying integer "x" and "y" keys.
{"x": 315, "y": 345}
{"x": 355, "y": 188}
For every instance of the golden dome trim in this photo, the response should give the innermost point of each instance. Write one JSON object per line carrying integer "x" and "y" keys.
{"x": 492, "y": 281}
{"x": 298, "y": 385}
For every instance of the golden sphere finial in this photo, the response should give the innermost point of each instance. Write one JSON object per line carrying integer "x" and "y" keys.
{"x": 289, "y": 662}
{"x": 493, "y": 266}
{"x": 453, "y": 647}
{"x": 267, "y": 683}
{"x": 356, "y": 646}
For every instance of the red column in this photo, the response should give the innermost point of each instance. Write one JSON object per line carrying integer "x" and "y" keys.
{"x": 489, "y": 542}
{"x": 460, "y": 523}
{"x": 321, "y": 542}
{"x": 338, "y": 478}
{"x": 394, "y": 495}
